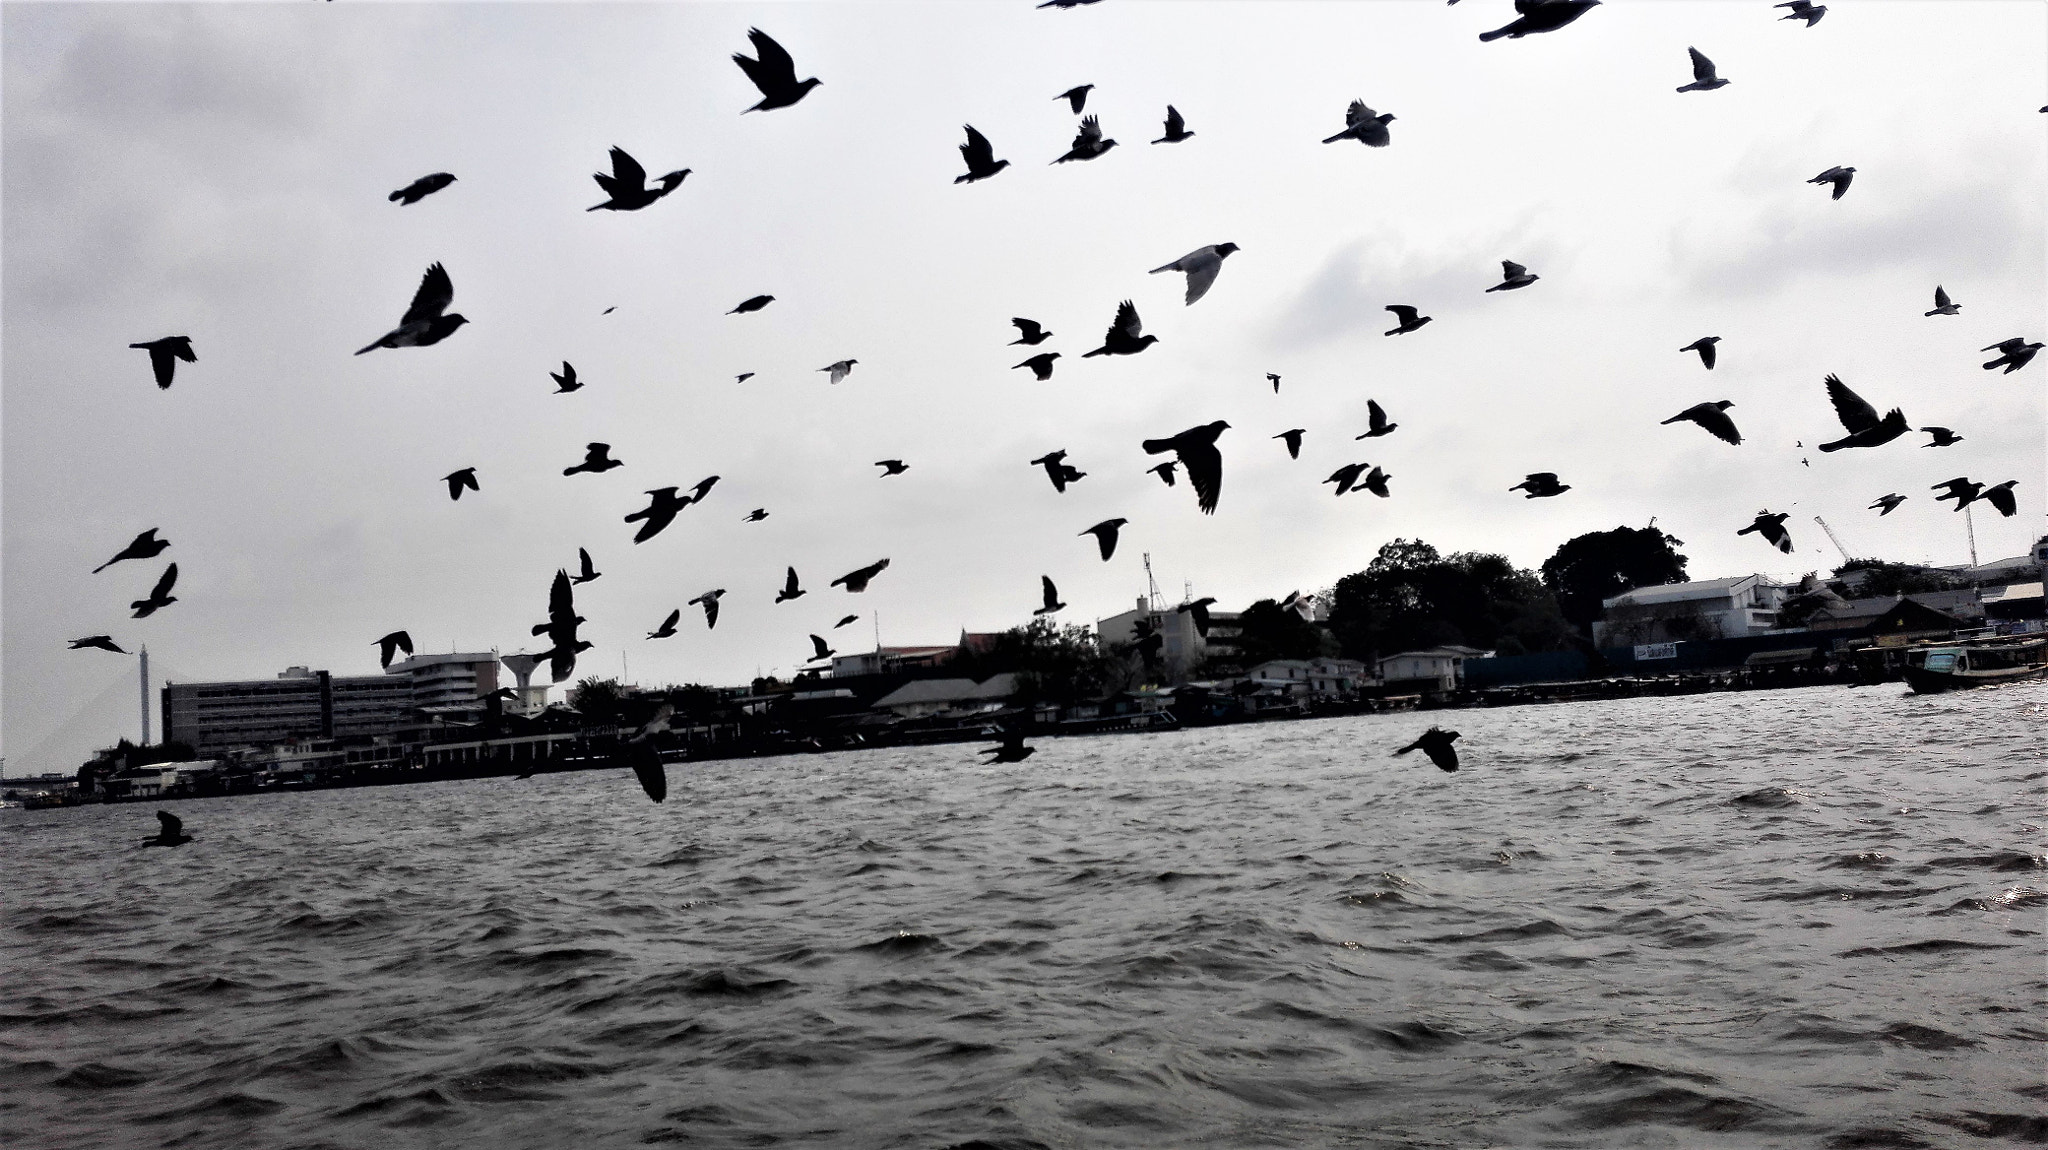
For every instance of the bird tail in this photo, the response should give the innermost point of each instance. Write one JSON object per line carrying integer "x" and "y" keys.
{"x": 1155, "y": 446}
{"x": 372, "y": 347}
{"x": 1832, "y": 446}
{"x": 103, "y": 566}
{"x": 1489, "y": 37}
{"x": 1339, "y": 136}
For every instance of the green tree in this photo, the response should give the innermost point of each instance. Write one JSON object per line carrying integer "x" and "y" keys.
{"x": 1869, "y": 578}
{"x": 1597, "y": 566}
{"x": 1264, "y": 631}
{"x": 1412, "y": 596}
{"x": 1053, "y": 663}
{"x": 600, "y": 701}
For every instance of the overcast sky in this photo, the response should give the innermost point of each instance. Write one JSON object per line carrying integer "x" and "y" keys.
{"x": 221, "y": 171}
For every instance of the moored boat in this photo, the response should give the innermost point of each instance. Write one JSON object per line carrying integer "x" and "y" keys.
{"x": 1948, "y": 666}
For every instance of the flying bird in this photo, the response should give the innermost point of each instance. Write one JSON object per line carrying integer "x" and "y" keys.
{"x": 165, "y": 353}
{"x": 1196, "y": 448}
{"x": 1839, "y": 177}
{"x": 1124, "y": 336}
{"x": 1274, "y": 379}
{"x": 597, "y": 459}
{"x": 1088, "y": 142}
{"x": 702, "y": 489}
{"x": 1076, "y": 97}
{"x": 2000, "y": 495}
{"x": 755, "y": 516}
{"x": 1512, "y": 276}
{"x": 839, "y": 370}
{"x": 1540, "y": 16}
{"x": 1201, "y": 266}
{"x": 822, "y": 651}
{"x": 789, "y": 588}
{"x": 1057, "y": 470}
{"x": 1199, "y": 610}
{"x": 1344, "y": 477}
{"x": 143, "y": 546}
{"x": 561, "y": 627}
{"x": 97, "y": 642}
{"x": 1302, "y": 605}
{"x": 1375, "y": 481}
{"x": 1962, "y": 490}
{"x": 1164, "y": 471}
{"x": 1052, "y": 597}
{"x": 170, "y": 832}
{"x": 1703, "y": 77}
{"x": 1293, "y": 437}
{"x": 857, "y": 581}
{"x": 1803, "y": 10}
{"x": 1436, "y": 742}
{"x": 1889, "y": 503}
{"x": 423, "y": 322}
{"x": 458, "y": 480}
{"x": 389, "y": 646}
{"x": 752, "y": 303}
{"x": 1772, "y": 528}
{"x": 1713, "y": 417}
{"x": 1375, "y": 421}
{"x": 1029, "y": 332}
{"x": 2014, "y": 353}
{"x": 1860, "y": 419}
{"x": 1408, "y": 319}
{"x": 891, "y": 467}
{"x": 1176, "y": 128}
{"x": 1942, "y": 437}
{"x": 1705, "y": 346}
{"x": 1943, "y": 305}
{"x": 843, "y": 622}
{"x": 743, "y": 377}
{"x": 159, "y": 596}
{"x": 980, "y": 157}
{"x": 1364, "y": 125}
{"x": 587, "y": 571}
{"x": 667, "y": 629}
{"x": 1105, "y": 535}
{"x": 1040, "y": 365}
{"x": 1541, "y": 485}
{"x": 774, "y": 73}
{"x": 421, "y": 188}
{"x": 709, "y": 601}
{"x": 659, "y": 513}
{"x": 1012, "y": 748}
{"x": 565, "y": 379}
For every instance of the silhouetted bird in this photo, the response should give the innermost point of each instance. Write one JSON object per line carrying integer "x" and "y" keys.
{"x": 844, "y": 621}
{"x": 1364, "y": 125}
{"x": 1375, "y": 421}
{"x": 2014, "y": 353}
{"x": 1055, "y": 469}
{"x": 1540, "y": 16}
{"x": 170, "y": 833}
{"x": 1837, "y": 176}
{"x": 561, "y": 627}
{"x": 1105, "y": 535}
{"x": 458, "y": 480}
{"x": 1012, "y": 749}
{"x": 1164, "y": 471}
{"x": 1293, "y": 437}
{"x": 1864, "y": 427}
{"x": 1124, "y": 335}
{"x": 1375, "y": 481}
{"x": 709, "y": 601}
{"x": 1040, "y": 365}
{"x": 390, "y": 645}
{"x": 1803, "y": 10}
{"x": 1962, "y": 490}
{"x": 755, "y": 516}
{"x": 980, "y": 157}
{"x": 1512, "y": 276}
{"x": 565, "y": 379}
{"x": 774, "y": 73}
{"x": 423, "y": 323}
{"x": 1942, "y": 304}
{"x": 165, "y": 353}
{"x": 789, "y": 588}
{"x": 597, "y": 459}
{"x": 891, "y": 467}
{"x": 159, "y": 596}
{"x": 1436, "y": 743}
{"x": 1713, "y": 417}
{"x": 1772, "y": 528}
{"x": 1302, "y": 605}
{"x": 1274, "y": 379}
{"x": 1176, "y": 128}
{"x": 1705, "y": 346}
{"x": 702, "y": 489}
{"x": 588, "y": 572}
{"x": 1199, "y": 610}
{"x": 99, "y": 642}
{"x": 1703, "y": 77}
{"x": 752, "y": 303}
{"x": 1088, "y": 142}
{"x": 1407, "y": 318}
{"x": 1069, "y": 475}
{"x": 1052, "y": 597}
{"x": 421, "y": 188}
{"x": 1066, "y": 3}
{"x": 857, "y": 581}
{"x": 1201, "y": 266}
{"x": 1889, "y": 503}
{"x": 1346, "y": 475}
{"x": 143, "y": 546}
{"x": 743, "y": 377}
{"x": 1942, "y": 437}
{"x": 2000, "y": 495}
{"x": 1541, "y": 485}
{"x": 840, "y": 370}
{"x": 822, "y": 651}
{"x": 1076, "y": 97}
{"x": 645, "y": 760}
{"x": 667, "y": 629}
{"x": 1196, "y": 448}
{"x": 659, "y": 513}
{"x": 1029, "y": 332}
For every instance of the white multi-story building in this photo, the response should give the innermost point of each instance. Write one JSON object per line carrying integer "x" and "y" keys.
{"x": 1183, "y": 647}
{"x": 1678, "y": 612}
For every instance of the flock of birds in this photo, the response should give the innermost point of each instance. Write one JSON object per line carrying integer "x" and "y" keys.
{"x": 1194, "y": 452}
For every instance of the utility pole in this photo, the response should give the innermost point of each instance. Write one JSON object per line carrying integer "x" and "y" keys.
{"x": 145, "y": 696}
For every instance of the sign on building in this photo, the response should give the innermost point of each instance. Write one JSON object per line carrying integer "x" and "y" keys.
{"x": 1648, "y": 651}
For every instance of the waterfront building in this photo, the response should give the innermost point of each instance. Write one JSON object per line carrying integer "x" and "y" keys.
{"x": 1183, "y": 648}
{"x": 1429, "y": 670}
{"x": 1729, "y": 608}
{"x": 305, "y": 704}
{"x": 449, "y": 686}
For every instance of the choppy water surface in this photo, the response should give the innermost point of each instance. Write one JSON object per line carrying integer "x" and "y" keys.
{"x": 1797, "y": 918}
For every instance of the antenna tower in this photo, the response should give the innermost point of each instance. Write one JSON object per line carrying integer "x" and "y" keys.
{"x": 1834, "y": 539}
{"x": 1151, "y": 586}
{"x": 1970, "y": 523}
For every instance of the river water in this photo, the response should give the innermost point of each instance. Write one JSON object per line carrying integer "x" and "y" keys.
{"x": 1787, "y": 918}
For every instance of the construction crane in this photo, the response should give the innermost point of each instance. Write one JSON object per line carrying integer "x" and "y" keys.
{"x": 1835, "y": 539}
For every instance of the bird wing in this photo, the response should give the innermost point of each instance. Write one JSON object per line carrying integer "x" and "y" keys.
{"x": 436, "y": 292}
{"x": 561, "y": 599}
{"x": 819, "y": 646}
{"x": 1375, "y": 416}
{"x": 1940, "y": 297}
{"x": 1089, "y": 135}
{"x": 1543, "y": 478}
{"x": 1855, "y": 414}
{"x": 2001, "y": 497}
{"x": 1201, "y": 267}
{"x": 1205, "y": 470}
{"x": 627, "y": 174}
{"x": 1702, "y": 68}
{"x": 774, "y": 65}
{"x": 1717, "y": 421}
{"x": 1357, "y": 114}
{"x": 669, "y": 624}
{"x": 1028, "y": 328}
{"x": 173, "y": 826}
{"x": 1403, "y": 312}
{"x": 1174, "y": 124}
{"x": 646, "y": 763}
{"x": 1052, "y": 594}
{"x": 1509, "y": 269}
{"x": 1127, "y": 321}
{"x": 977, "y": 151}
{"x": 164, "y": 582}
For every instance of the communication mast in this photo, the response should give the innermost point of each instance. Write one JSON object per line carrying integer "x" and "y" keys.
{"x": 1834, "y": 539}
{"x": 1151, "y": 587}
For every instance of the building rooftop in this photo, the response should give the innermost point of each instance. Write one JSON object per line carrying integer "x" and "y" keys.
{"x": 1679, "y": 592}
